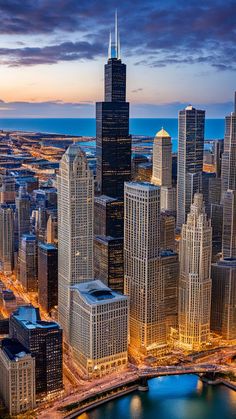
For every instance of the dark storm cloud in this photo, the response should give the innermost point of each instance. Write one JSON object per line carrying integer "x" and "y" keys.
{"x": 161, "y": 32}
{"x": 67, "y": 51}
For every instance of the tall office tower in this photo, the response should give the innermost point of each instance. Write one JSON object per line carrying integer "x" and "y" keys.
{"x": 162, "y": 159}
{"x": 143, "y": 282}
{"x": 228, "y": 168}
{"x": 75, "y": 227}
{"x": 113, "y": 146}
{"x": 195, "y": 278}
{"x": 7, "y": 189}
{"x": 169, "y": 271}
{"x": 23, "y": 213}
{"x": 223, "y": 301}
{"x": 167, "y": 231}
{"x": 99, "y": 328}
{"x": 229, "y": 225}
{"x": 47, "y": 276}
{"x": 17, "y": 377}
{"x": 108, "y": 216}
{"x": 28, "y": 262}
{"x": 6, "y": 239}
{"x": 44, "y": 341}
{"x": 109, "y": 261}
{"x": 190, "y": 159}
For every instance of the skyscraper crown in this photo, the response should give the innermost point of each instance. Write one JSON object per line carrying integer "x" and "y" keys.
{"x": 114, "y": 45}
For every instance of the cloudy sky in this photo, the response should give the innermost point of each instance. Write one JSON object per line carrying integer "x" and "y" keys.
{"x": 52, "y": 54}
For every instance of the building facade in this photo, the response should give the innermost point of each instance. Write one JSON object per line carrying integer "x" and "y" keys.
{"x": 113, "y": 142}
{"x": 223, "y": 302}
{"x": 28, "y": 263}
{"x": 6, "y": 239}
{"x": 190, "y": 159}
{"x": 228, "y": 167}
{"x": 229, "y": 225}
{"x": 75, "y": 228}
{"x": 17, "y": 377}
{"x": 100, "y": 328}
{"x": 47, "y": 276}
{"x": 44, "y": 341}
{"x": 195, "y": 278}
{"x": 143, "y": 282}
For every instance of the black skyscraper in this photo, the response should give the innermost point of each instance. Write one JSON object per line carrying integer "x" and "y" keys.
{"x": 113, "y": 139}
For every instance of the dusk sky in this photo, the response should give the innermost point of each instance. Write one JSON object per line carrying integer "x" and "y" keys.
{"x": 52, "y": 56}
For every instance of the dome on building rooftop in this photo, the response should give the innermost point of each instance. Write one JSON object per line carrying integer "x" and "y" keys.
{"x": 162, "y": 133}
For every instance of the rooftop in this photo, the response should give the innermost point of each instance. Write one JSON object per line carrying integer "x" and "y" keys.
{"x": 95, "y": 292}
{"x": 14, "y": 349}
{"x": 162, "y": 133}
{"x": 142, "y": 185}
{"x": 30, "y": 318}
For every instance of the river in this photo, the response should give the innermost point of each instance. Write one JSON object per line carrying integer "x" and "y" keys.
{"x": 173, "y": 397}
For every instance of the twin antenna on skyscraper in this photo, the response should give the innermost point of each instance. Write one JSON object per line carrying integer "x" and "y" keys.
{"x": 114, "y": 45}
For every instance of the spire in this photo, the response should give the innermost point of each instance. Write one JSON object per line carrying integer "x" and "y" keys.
{"x": 114, "y": 46}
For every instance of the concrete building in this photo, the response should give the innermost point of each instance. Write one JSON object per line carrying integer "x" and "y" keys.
{"x": 190, "y": 159}
{"x": 223, "y": 302}
{"x": 28, "y": 262}
{"x": 17, "y": 377}
{"x": 195, "y": 278}
{"x": 162, "y": 170}
{"x": 167, "y": 231}
{"x": 23, "y": 212}
{"x": 99, "y": 328}
{"x": 7, "y": 189}
{"x": 6, "y": 239}
{"x": 75, "y": 227}
{"x": 143, "y": 282}
{"x": 44, "y": 341}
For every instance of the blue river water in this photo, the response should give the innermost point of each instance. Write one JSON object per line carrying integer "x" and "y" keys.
{"x": 87, "y": 126}
{"x": 173, "y": 397}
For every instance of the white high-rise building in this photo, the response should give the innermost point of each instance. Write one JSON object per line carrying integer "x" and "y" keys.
{"x": 195, "y": 278}
{"x": 143, "y": 282}
{"x": 162, "y": 170}
{"x": 75, "y": 228}
{"x": 99, "y": 328}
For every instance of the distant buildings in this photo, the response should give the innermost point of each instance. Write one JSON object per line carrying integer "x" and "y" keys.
{"x": 99, "y": 328}
{"x": 23, "y": 212}
{"x": 44, "y": 341}
{"x": 195, "y": 278}
{"x": 7, "y": 189}
{"x": 190, "y": 159}
{"x": 17, "y": 377}
{"x": 143, "y": 283}
{"x": 75, "y": 228}
{"x": 223, "y": 303}
{"x": 47, "y": 276}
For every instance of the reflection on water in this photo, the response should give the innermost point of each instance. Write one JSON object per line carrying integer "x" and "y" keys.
{"x": 173, "y": 397}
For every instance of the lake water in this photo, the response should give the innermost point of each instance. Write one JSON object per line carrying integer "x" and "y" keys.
{"x": 173, "y": 397}
{"x": 87, "y": 126}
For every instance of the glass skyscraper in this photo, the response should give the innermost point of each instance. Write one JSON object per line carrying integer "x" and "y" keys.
{"x": 113, "y": 147}
{"x": 190, "y": 159}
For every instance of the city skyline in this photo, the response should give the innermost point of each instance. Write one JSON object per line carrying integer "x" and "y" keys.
{"x": 52, "y": 57}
